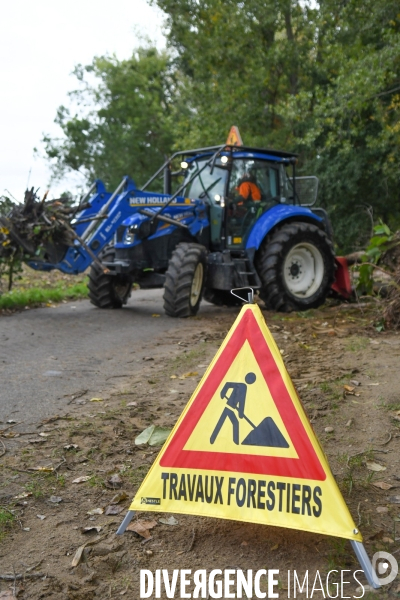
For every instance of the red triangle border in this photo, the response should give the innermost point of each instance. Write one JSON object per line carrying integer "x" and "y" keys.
{"x": 306, "y": 466}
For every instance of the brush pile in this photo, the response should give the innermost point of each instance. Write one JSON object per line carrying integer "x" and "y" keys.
{"x": 35, "y": 225}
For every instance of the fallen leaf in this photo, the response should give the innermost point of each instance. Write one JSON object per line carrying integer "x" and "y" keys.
{"x": 132, "y": 404}
{"x": 142, "y": 528}
{"x": 159, "y": 436}
{"x": 275, "y": 547}
{"x": 379, "y": 534}
{"x": 169, "y": 521}
{"x": 349, "y": 388}
{"x": 113, "y": 509}
{"x": 78, "y": 553}
{"x": 95, "y": 511}
{"x": 355, "y": 382}
{"x": 114, "y": 481}
{"x": 96, "y": 400}
{"x": 382, "y": 485}
{"x": 41, "y": 517}
{"x": 153, "y": 435}
{"x": 23, "y": 495}
{"x": 144, "y": 437}
{"x": 91, "y": 529}
{"x": 120, "y": 497}
{"x": 43, "y": 434}
{"x": 382, "y": 509}
{"x": 174, "y": 377}
{"x": 388, "y": 540}
{"x": 44, "y": 469}
{"x": 374, "y": 466}
{"x": 329, "y": 429}
{"x": 71, "y": 447}
{"x": 155, "y": 315}
{"x": 189, "y": 374}
{"x": 349, "y": 423}
{"x": 82, "y": 479}
{"x": 55, "y": 499}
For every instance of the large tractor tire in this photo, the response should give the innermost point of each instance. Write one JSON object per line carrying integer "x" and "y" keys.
{"x": 108, "y": 291}
{"x": 296, "y": 267}
{"x": 184, "y": 280}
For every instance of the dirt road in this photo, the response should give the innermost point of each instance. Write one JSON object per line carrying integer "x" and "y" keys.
{"x": 49, "y": 357}
{"x": 48, "y": 515}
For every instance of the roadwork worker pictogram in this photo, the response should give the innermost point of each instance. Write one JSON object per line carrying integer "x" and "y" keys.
{"x": 264, "y": 434}
{"x": 235, "y": 401}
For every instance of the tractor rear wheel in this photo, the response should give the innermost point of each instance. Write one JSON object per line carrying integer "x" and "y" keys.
{"x": 184, "y": 280}
{"x": 108, "y": 291}
{"x": 296, "y": 267}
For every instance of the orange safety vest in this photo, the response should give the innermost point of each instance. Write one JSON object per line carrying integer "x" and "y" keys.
{"x": 249, "y": 191}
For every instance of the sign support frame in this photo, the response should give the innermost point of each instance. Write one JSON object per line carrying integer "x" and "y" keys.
{"x": 363, "y": 559}
{"x": 127, "y": 519}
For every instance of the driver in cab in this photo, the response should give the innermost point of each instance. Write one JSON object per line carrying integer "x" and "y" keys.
{"x": 247, "y": 194}
{"x": 248, "y": 190}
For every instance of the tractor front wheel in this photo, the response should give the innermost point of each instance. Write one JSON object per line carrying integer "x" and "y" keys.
{"x": 108, "y": 291}
{"x": 296, "y": 267}
{"x": 184, "y": 280}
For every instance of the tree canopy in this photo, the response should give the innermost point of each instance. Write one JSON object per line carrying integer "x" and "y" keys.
{"x": 322, "y": 80}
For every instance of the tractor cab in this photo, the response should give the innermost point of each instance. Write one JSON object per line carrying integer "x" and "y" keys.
{"x": 239, "y": 186}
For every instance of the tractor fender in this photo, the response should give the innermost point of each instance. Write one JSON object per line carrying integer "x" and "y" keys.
{"x": 276, "y": 215}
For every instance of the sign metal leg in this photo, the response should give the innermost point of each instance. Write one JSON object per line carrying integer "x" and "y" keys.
{"x": 365, "y": 563}
{"x": 127, "y": 519}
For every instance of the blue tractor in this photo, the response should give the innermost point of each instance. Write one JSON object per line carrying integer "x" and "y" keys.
{"x": 237, "y": 217}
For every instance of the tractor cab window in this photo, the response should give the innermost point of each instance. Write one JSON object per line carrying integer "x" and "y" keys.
{"x": 253, "y": 188}
{"x": 208, "y": 186}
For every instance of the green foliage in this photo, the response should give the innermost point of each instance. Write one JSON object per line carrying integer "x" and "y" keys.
{"x": 321, "y": 79}
{"x": 122, "y": 124}
{"x": 378, "y": 244}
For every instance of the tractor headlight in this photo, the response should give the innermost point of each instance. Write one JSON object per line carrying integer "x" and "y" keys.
{"x": 224, "y": 160}
{"x": 184, "y": 164}
{"x": 130, "y": 235}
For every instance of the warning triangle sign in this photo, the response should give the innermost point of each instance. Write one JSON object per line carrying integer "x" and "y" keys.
{"x": 234, "y": 137}
{"x": 243, "y": 447}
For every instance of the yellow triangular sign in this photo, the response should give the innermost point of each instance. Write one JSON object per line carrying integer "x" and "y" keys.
{"x": 243, "y": 448}
{"x": 234, "y": 137}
